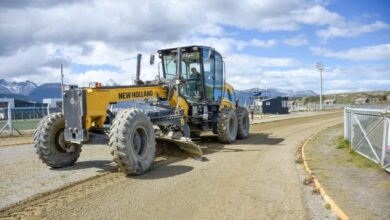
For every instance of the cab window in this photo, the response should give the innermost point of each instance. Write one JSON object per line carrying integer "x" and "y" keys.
{"x": 218, "y": 77}
{"x": 208, "y": 69}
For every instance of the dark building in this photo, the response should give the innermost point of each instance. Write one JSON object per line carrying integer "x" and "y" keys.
{"x": 22, "y": 108}
{"x": 276, "y": 105}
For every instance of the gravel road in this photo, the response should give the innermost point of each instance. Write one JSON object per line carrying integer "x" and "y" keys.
{"x": 255, "y": 178}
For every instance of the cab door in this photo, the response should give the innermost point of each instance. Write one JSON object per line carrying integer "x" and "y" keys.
{"x": 208, "y": 73}
{"x": 218, "y": 82}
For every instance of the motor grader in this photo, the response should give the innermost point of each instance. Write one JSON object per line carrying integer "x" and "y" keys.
{"x": 189, "y": 97}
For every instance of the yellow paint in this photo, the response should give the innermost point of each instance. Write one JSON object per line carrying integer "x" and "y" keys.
{"x": 225, "y": 102}
{"x": 333, "y": 205}
{"x": 98, "y": 100}
{"x": 182, "y": 103}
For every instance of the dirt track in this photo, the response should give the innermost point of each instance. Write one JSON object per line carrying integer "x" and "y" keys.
{"x": 254, "y": 178}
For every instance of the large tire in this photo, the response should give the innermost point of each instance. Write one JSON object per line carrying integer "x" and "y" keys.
{"x": 243, "y": 123}
{"x": 50, "y": 144}
{"x": 132, "y": 142}
{"x": 227, "y": 126}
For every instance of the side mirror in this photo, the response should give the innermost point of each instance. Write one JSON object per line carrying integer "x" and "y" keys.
{"x": 151, "y": 61}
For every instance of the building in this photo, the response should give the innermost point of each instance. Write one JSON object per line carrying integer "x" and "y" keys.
{"x": 22, "y": 108}
{"x": 5, "y": 101}
{"x": 17, "y": 103}
{"x": 276, "y": 105}
{"x": 329, "y": 101}
{"x": 53, "y": 102}
{"x": 361, "y": 100}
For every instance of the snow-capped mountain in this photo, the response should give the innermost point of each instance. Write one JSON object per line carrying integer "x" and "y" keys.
{"x": 21, "y": 88}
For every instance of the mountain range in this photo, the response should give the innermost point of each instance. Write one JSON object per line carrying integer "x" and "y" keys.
{"x": 53, "y": 90}
{"x": 28, "y": 90}
{"x": 21, "y": 88}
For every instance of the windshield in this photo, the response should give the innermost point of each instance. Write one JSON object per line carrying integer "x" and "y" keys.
{"x": 190, "y": 60}
{"x": 190, "y": 70}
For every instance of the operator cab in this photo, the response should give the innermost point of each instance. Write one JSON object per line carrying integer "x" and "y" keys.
{"x": 201, "y": 69}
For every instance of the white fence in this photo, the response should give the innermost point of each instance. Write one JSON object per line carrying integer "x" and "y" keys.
{"x": 10, "y": 115}
{"x": 367, "y": 128}
{"x": 315, "y": 107}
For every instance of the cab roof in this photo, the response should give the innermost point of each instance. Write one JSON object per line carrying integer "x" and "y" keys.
{"x": 186, "y": 48}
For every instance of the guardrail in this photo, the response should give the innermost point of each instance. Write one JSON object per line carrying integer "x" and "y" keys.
{"x": 368, "y": 130}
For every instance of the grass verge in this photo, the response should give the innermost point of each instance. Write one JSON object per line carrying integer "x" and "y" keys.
{"x": 27, "y": 124}
{"x": 353, "y": 157}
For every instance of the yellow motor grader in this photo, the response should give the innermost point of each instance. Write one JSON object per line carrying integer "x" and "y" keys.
{"x": 189, "y": 97}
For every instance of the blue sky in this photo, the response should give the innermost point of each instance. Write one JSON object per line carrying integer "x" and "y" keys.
{"x": 273, "y": 43}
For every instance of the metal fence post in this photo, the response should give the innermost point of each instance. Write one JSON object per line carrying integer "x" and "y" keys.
{"x": 48, "y": 109}
{"x": 352, "y": 118}
{"x": 10, "y": 119}
{"x": 9, "y": 122}
{"x": 385, "y": 139}
{"x": 345, "y": 124}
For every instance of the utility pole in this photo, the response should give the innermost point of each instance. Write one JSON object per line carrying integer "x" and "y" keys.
{"x": 320, "y": 67}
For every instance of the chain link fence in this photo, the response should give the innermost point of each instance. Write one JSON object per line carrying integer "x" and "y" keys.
{"x": 367, "y": 128}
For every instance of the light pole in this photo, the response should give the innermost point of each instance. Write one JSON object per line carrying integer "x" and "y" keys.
{"x": 320, "y": 67}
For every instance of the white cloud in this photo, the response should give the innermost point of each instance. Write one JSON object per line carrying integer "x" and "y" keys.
{"x": 335, "y": 80}
{"x": 350, "y": 29}
{"x": 125, "y": 26}
{"x": 261, "y": 43}
{"x": 296, "y": 41}
{"x": 377, "y": 52}
{"x": 35, "y": 36}
{"x": 316, "y": 15}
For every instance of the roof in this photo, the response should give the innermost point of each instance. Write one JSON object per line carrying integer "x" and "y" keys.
{"x": 189, "y": 47}
{"x": 15, "y": 96}
{"x": 274, "y": 98}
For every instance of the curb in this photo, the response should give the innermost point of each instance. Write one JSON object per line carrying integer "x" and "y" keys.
{"x": 333, "y": 205}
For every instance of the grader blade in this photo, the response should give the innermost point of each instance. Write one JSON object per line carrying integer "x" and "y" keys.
{"x": 185, "y": 144}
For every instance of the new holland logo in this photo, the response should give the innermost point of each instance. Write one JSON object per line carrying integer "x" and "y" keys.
{"x": 135, "y": 94}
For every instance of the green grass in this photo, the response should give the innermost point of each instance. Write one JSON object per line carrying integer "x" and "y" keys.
{"x": 353, "y": 157}
{"x": 343, "y": 143}
{"x": 23, "y": 124}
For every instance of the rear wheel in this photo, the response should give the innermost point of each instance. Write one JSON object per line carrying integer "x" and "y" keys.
{"x": 227, "y": 126}
{"x": 132, "y": 142}
{"x": 242, "y": 122}
{"x": 50, "y": 143}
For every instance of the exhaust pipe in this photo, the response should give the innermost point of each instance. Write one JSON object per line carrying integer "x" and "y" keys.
{"x": 178, "y": 76}
{"x": 137, "y": 80}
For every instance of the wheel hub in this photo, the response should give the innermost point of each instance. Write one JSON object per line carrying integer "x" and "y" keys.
{"x": 139, "y": 140}
{"x": 63, "y": 145}
{"x": 231, "y": 126}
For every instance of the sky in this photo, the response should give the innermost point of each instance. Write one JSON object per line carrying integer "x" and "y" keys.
{"x": 265, "y": 43}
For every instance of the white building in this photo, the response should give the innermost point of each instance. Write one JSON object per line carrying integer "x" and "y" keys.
{"x": 53, "y": 102}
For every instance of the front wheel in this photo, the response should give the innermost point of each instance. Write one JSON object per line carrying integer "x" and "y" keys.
{"x": 132, "y": 142}
{"x": 243, "y": 123}
{"x": 227, "y": 126}
{"x": 50, "y": 143}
